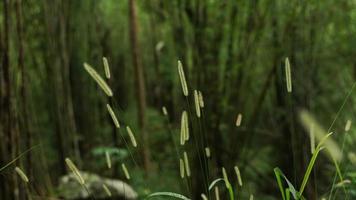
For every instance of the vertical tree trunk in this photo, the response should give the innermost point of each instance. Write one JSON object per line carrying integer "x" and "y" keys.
{"x": 6, "y": 93}
{"x": 10, "y": 134}
{"x": 24, "y": 119}
{"x": 140, "y": 83}
{"x": 66, "y": 82}
{"x": 55, "y": 88}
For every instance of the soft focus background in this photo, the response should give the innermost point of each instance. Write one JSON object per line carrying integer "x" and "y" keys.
{"x": 233, "y": 51}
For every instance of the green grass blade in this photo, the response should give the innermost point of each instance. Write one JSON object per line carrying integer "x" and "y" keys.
{"x": 311, "y": 164}
{"x": 18, "y": 157}
{"x": 287, "y": 194}
{"x": 231, "y": 193}
{"x": 279, "y": 182}
{"x": 168, "y": 194}
{"x": 212, "y": 184}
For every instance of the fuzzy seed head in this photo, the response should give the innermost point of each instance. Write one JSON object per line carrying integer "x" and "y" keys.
{"x": 288, "y": 75}
{"x": 238, "y": 120}
{"x": 113, "y": 116}
{"x": 132, "y": 136}
{"x": 312, "y": 139}
{"x": 126, "y": 172}
{"x": 107, "y": 191}
{"x": 100, "y": 81}
{"x": 22, "y": 174}
{"x": 164, "y": 110}
{"x": 201, "y": 99}
{"x": 106, "y": 67}
{"x": 196, "y": 102}
{"x": 182, "y": 78}
{"x": 186, "y": 162}
{"x": 226, "y": 179}
{"x": 184, "y": 128}
{"x": 108, "y": 159}
{"x": 348, "y": 125}
{"x": 207, "y": 152}
{"x": 181, "y": 167}
{"x": 75, "y": 171}
{"x": 239, "y": 179}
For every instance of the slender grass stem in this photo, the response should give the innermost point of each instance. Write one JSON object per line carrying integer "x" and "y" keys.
{"x": 197, "y": 148}
{"x": 176, "y": 150}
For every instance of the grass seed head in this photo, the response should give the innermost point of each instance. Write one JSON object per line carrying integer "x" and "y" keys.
{"x": 181, "y": 167}
{"x": 107, "y": 191}
{"x": 126, "y": 172}
{"x": 113, "y": 116}
{"x": 182, "y": 78}
{"x": 106, "y": 67}
{"x": 108, "y": 159}
{"x": 75, "y": 171}
{"x": 164, "y": 110}
{"x": 196, "y": 102}
{"x": 348, "y": 125}
{"x": 226, "y": 179}
{"x": 132, "y": 136}
{"x": 288, "y": 75}
{"x": 186, "y": 162}
{"x": 238, "y": 120}
{"x": 22, "y": 174}
{"x": 207, "y": 152}
{"x": 100, "y": 81}
{"x": 238, "y": 174}
{"x": 201, "y": 99}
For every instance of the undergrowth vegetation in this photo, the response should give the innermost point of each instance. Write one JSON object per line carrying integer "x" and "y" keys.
{"x": 189, "y": 142}
{"x": 177, "y": 99}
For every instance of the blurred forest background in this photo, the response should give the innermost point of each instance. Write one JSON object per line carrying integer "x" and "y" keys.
{"x": 233, "y": 51}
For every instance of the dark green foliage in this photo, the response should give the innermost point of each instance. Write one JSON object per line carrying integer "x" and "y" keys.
{"x": 232, "y": 50}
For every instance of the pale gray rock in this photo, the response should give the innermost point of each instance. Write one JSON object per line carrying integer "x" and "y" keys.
{"x": 70, "y": 189}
